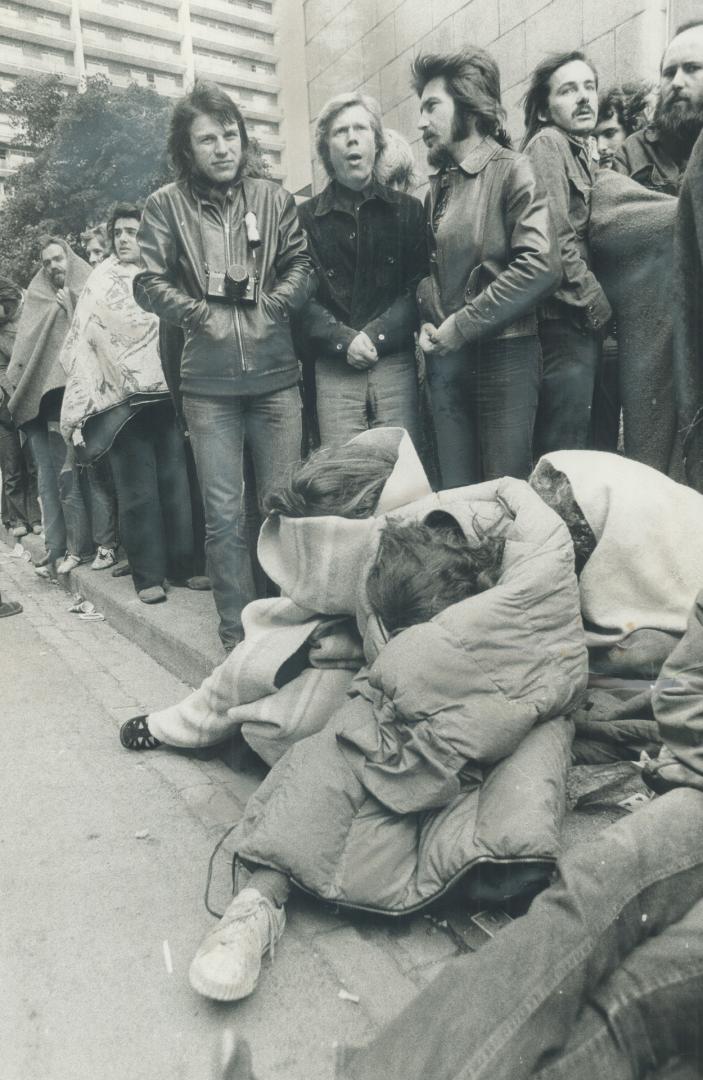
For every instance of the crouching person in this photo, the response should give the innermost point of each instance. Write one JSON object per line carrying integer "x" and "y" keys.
{"x": 449, "y": 752}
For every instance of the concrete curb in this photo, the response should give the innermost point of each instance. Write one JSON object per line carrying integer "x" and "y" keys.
{"x": 181, "y": 634}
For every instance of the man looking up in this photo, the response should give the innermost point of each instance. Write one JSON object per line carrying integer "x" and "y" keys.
{"x": 493, "y": 257}
{"x": 368, "y": 244}
{"x": 656, "y": 157}
{"x": 225, "y": 259}
{"x": 561, "y": 108}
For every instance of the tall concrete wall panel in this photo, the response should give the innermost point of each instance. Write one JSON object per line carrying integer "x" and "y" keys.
{"x": 369, "y": 45}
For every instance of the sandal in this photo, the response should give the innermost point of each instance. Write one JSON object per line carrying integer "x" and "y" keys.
{"x": 653, "y": 776}
{"x": 135, "y": 735}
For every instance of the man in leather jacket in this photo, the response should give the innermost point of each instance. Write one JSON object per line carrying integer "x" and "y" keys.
{"x": 225, "y": 259}
{"x": 493, "y": 257}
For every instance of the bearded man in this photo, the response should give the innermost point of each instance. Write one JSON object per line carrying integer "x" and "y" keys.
{"x": 657, "y": 156}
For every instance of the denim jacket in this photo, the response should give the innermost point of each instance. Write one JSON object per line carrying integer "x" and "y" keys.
{"x": 493, "y": 251}
{"x": 566, "y": 173}
{"x": 644, "y": 157}
{"x": 369, "y": 251}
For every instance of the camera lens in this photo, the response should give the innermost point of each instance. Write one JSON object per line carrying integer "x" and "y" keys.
{"x": 237, "y": 280}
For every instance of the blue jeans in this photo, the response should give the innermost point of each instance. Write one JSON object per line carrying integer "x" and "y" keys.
{"x": 570, "y": 359}
{"x": 484, "y": 401}
{"x": 64, "y": 514}
{"x": 153, "y": 497}
{"x": 99, "y": 492}
{"x": 602, "y": 978}
{"x": 351, "y": 401}
{"x": 272, "y": 428}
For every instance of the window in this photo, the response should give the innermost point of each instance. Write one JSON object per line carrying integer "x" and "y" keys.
{"x": 150, "y": 76}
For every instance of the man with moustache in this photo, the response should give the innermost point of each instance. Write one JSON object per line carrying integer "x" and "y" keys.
{"x": 225, "y": 259}
{"x": 561, "y": 109}
{"x": 368, "y": 244}
{"x": 657, "y": 156}
{"x": 493, "y": 258}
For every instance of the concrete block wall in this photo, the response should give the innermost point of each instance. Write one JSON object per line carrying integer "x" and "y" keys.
{"x": 369, "y": 45}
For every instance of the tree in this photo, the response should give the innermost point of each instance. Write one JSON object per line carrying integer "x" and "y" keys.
{"x": 88, "y": 151}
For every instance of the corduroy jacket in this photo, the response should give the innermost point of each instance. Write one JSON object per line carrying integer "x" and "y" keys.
{"x": 370, "y": 252}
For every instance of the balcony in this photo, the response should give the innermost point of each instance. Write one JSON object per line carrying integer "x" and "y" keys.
{"x": 54, "y": 7}
{"x": 228, "y": 39}
{"x": 235, "y": 74}
{"x": 22, "y": 29}
{"x": 127, "y": 54}
{"x": 130, "y": 46}
{"x": 125, "y": 16}
{"x": 233, "y": 12}
{"x": 21, "y": 67}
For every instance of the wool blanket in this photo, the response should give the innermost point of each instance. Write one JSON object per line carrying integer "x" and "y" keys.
{"x": 687, "y": 313}
{"x": 300, "y": 651}
{"x": 647, "y": 566}
{"x": 35, "y": 367}
{"x": 631, "y": 234}
{"x": 111, "y": 351}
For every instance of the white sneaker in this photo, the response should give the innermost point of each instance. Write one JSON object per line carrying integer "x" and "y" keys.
{"x": 226, "y": 966}
{"x": 68, "y": 563}
{"x": 104, "y": 558}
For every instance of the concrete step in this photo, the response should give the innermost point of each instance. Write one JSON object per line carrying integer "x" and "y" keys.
{"x": 181, "y": 634}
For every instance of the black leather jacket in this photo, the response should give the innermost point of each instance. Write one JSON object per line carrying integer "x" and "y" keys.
{"x": 229, "y": 348}
{"x": 493, "y": 250}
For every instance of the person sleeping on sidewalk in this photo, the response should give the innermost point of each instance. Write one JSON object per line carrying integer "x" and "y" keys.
{"x": 446, "y": 759}
{"x": 637, "y": 584}
{"x": 318, "y": 557}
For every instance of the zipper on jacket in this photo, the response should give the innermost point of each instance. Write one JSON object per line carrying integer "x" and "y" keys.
{"x": 236, "y": 315}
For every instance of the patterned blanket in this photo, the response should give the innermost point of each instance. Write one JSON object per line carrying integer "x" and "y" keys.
{"x": 112, "y": 349}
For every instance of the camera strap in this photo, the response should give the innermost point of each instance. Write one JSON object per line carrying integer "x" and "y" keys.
{"x": 251, "y": 247}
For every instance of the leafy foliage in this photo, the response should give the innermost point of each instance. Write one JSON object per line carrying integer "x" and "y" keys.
{"x": 88, "y": 151}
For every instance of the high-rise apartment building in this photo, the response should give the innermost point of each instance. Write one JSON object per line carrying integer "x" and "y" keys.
{"x": 254, "y": 49}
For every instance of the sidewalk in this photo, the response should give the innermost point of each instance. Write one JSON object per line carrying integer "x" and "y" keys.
{"x": 181, "y": 634}
{"x": 303, "y": 1005}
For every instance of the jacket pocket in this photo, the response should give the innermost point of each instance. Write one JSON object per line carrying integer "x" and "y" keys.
{"x": 266, "y": 331}
{"x": 211, "y": 347}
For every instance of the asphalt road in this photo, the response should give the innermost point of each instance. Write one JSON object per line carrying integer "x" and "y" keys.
{"x": 102, "y": 868}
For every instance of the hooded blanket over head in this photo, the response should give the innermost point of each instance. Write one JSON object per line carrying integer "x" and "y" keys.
{"x": 647, "y": 566}
{"x": 112, "y": 348}
{"x": 35, "y": 367}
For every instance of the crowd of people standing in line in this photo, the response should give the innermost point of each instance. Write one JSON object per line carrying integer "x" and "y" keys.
{"x": 495, "y": 326}
{"x": 479, "y": 323}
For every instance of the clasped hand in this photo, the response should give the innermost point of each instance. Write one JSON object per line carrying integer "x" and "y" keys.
{"x": 362, "y": 353}
{"x": 440, "y": 341}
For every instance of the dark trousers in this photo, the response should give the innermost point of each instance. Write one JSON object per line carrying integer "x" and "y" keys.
{"x": 149, "y": 469}
{"x": 484, "y": 401}
{"x": 20, "y": 505}
{"x": 569, "y": 364}
{"x": 606, "y": 399}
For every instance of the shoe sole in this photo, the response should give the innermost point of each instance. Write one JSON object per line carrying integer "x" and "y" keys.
{"x": 214, "y": 991}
